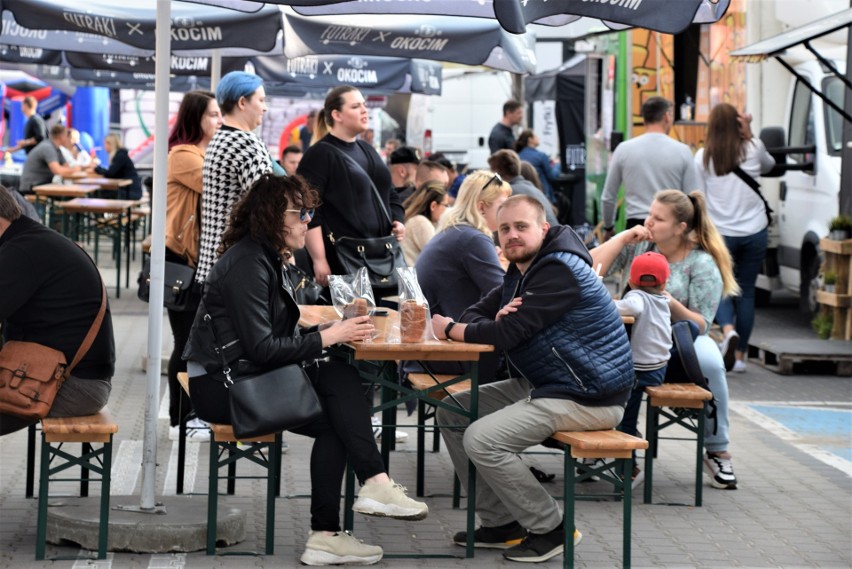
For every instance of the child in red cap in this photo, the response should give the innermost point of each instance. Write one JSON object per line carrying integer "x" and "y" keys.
{"x": 651, "y": 336}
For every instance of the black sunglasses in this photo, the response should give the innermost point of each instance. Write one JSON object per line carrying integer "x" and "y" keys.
{"x": 488, "y": 183}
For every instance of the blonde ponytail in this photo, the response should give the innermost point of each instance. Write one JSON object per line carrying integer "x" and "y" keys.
{"x": 692, "y": 210}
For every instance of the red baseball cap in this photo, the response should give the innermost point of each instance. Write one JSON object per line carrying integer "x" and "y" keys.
{"x": 649, "y": 269}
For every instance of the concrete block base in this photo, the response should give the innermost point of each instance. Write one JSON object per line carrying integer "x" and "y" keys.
{"x": 183, "y": 528}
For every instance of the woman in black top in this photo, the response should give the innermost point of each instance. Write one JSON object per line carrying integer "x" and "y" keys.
{"x": 121, "y": 166}
{"x": 349, "y": 207}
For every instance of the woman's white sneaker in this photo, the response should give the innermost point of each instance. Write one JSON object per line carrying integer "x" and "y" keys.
{"x": 388, "y": 500}
{"x": 337, "y": 549}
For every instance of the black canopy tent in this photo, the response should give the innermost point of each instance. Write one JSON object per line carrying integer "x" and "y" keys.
{"x": 566, "y": 86}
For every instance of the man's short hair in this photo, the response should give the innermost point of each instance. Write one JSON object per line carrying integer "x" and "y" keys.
{"x": 540, "y": 216}
{"x": 505, "y": 162}
{"x": 654, "y": 109}
{"x": 511, "y": 106}
{"x": 58, "y": 130}
{"x": 404, "y": 155}
{"x": 9, "y": 208}
{"x": 30, "y": 102}
{"x": 292, "y": 149}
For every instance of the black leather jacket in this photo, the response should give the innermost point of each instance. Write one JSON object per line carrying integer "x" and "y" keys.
{"x": 254, "y": 317}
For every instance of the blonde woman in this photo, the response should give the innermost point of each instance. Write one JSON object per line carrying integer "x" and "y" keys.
{"x": 459, "y": 265}
{"x": 679, "y": 227}
{"x": 423, "y": 210}
{"x": 120, "y": 166}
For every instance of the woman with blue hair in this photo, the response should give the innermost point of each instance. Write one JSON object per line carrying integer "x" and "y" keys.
{"x": 235, "y": 159}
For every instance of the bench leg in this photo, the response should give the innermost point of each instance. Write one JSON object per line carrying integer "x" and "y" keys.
{"x": 43, "y": 481}
{"x": 31, "y": 449}
{"x": 421, "y": 441}
{"x": 212, "y": 497}
{"x": 84, "y": 472}
{"x": 273, "y": 468}
{"x": 651, "y": 422}
{"x": 570, "y": 468}
{"x": 181, "y": 461}
{"x": 232, "y": 474}
{"x": 699, "y": 455}
{"x": 106, "y": 478}
{"x": 627, "y": 488}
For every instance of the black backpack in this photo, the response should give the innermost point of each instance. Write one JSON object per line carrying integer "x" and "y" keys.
{"x": 683, "y": 366}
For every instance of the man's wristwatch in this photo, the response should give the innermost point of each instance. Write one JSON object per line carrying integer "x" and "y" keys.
{"x": 448, "y": 328}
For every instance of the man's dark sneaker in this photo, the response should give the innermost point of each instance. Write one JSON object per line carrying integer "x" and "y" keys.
{"x": 538, "y": 547}
{"x": 499, "y": 537}
{"x": 721, "y": 471}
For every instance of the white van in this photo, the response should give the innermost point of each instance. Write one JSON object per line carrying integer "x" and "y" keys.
{"x": 808, "y": 151}
{"x": 808, "y": 195}
{"x": 458, "y": 122}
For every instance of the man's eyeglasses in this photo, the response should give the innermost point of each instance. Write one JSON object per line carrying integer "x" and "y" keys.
{"x": 305, "y": 214}
{"x": 493, "y": 178}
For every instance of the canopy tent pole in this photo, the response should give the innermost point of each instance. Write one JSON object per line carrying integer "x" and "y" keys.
{"x": 215, "y": 68}
{"x": 158, "y": 257}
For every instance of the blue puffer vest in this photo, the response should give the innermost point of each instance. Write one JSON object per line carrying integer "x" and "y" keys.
{"x": 585, "y": 355}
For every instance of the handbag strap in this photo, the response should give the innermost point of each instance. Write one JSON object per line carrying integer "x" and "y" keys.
{"x": 754, "y": 185}
{"x": 91, "y": 334}
{"x": 376, "y": 194}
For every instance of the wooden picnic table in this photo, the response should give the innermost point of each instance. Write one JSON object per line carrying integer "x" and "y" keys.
{"x": 105, "y": 183}
{"x": 119, "y": 208}
{"x": 385, "y": 349}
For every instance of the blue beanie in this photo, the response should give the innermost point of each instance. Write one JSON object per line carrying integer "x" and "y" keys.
{"x": 236, "y": 84}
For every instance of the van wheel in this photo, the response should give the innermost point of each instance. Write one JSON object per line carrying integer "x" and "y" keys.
{"x": 809, "y": 283}
{"x": 762, "y": 297}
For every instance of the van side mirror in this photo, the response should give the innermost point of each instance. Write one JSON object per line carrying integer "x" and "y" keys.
{"x": 774, "y": 139}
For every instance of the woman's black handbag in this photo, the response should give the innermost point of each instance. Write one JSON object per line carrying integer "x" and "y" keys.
{"x": 380, "y": 255}
{"x": 305, "y": 288}
{"x": 272, "y": 401}
{"x": 178, "y": 282}
{"x": 264, "y": 402}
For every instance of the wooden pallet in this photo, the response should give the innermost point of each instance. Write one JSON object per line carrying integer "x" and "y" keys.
{"x": 787, "y": 357}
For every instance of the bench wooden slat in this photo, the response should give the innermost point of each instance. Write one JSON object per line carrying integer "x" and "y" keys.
{"x": 225, "y": 433}
{"x": 183, "y": 379}
{"x": 425, "y": 381}
{"x": 600, "y": 444}
{"x": 686, "y": 395}
{"x": 95, "y": 428}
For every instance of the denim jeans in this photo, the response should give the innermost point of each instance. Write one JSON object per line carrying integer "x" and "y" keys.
{"x": 747, "y": 254}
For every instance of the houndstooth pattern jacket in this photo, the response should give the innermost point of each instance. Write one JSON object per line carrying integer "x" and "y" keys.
{"x": 234, "y": 160}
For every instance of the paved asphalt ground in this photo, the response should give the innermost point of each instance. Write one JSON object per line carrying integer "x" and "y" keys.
{"x": 791, "y": 441}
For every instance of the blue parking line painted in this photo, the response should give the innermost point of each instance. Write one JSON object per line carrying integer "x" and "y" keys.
{"x": 822, "y": 430}
{"x": 831, "y": 427}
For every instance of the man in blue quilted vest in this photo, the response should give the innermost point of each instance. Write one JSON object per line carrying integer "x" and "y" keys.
{"x": 571, "y": 369}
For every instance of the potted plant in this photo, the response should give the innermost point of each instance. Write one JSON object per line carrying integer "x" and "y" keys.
{"x": 822, "y": 324}
{"x": 829, "y": 280}
{"x": 839, "y": 227}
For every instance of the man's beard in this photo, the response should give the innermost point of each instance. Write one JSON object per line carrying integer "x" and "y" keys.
{"x": 519, "y": 255}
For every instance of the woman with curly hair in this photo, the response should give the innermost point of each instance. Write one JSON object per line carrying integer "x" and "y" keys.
{"x": 250, "y": 300}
